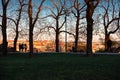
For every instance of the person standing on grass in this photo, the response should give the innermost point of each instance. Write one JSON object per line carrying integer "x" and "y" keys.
{"x": 25, "y": 47}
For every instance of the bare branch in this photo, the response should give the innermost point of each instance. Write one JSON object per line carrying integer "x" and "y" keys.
{"x": 105, "y": 14}
{"x": 118, "y": 26}
{"x": 39, "y": 9}
{"x": 51, "y": 28}
{"x": 62, "y": 8}
{"x": 82, "y": 11}
{"x": 112, "y": 32}
{"x": 68, "y": 33}
{"x": 47, "y": 16}
{"x": 113, "y": 9}
{"x": 10, "y": 19}
{"x": 74, "y": 13}
{"x": 82, "y": 8}
{"x": 98, "y": 1}
{"x": 112, "y": 21}
{"x": 52, "y": 12}
{"x": 62, "y": 24}
{"x": 7, "y": 2}
{"x": 83, "y": 17}
{"x": 55, "y": 4}
{"x": 41, "y": 30}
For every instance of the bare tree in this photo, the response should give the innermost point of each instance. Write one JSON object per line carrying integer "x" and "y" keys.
{"x": 59, "y": 11}
{"x": 109, "y": 18}
{"x": 91, "y": 5}
{"x": 4, "y": 25}
{"x": 78, "y": 8}
{"x": 17, "y": 21}
{"x": 32, "y": 22}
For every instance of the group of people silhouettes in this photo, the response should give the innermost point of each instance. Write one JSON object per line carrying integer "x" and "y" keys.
{"x": 22, "y": 47}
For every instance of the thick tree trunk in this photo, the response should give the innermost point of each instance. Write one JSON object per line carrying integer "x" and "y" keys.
{"x": 57, "y": 41}
{"x": 32, "y": 22}
{"x": 31, "y": 26}
{"x": 4, "y": 43}
{"x": 107, "y": 37}
{"x": 31, "y": 40}
{"x": 4, "y": 22}
{"x": 89, "y": 14}
{"x": 89, "y": 35}
{"x": 57, "y": 36}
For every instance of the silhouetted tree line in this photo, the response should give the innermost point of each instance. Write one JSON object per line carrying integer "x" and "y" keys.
{"x": 77, "y": 8}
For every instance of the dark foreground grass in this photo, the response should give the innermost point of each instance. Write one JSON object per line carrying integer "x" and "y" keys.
{"x": 59, "y": 67}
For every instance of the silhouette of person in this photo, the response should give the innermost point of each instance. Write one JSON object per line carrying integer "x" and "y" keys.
{"x": 21, "y": 47}
{"x": 25, "y": 47}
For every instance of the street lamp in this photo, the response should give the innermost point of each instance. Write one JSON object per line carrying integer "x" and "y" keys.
{"x": 66, "y": 14}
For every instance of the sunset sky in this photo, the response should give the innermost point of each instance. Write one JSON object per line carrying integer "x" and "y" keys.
{"x": 47, "y": 21}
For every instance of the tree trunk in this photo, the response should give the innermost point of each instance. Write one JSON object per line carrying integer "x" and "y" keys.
{"x": 31, "y": 40}
{"x": 107, "y": 37}
{"x": 32, "y": 22}
{"x": 4, "y": 43}
{"x": 89, "y": 14}
{"x": 77, "y": 32}
{"x": 17, "y": 25}
{"x": 15, "y": 39}
{"x": 89, "y": 35}
{"x": 57, "y": 41}
{"x": 4, "y": 22}
{"x": 57, "y": 36}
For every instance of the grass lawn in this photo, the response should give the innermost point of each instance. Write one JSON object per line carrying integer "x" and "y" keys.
{"x": 59, "y": 67}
